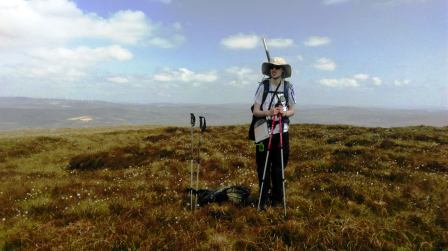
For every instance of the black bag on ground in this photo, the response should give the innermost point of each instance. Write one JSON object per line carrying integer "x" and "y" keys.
{"x": 235, "y": 194}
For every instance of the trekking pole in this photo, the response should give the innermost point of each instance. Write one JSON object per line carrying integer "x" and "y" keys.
{"x": 283, "y": 165}
{"x": 266, "y": 162}
{"x": 192, "y": 121}
{"x": 202, "y": 125}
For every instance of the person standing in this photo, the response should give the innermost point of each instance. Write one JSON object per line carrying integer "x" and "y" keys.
{"x": 277, "y": 71}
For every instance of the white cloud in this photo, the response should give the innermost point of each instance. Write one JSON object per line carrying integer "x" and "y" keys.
{"x": 56, "y": 22}
{"x": 325, "y": 64}
{"x": 163, "y": 1}
{"x": 355, "y": 81}
{"x": 380, "y": 2}
{"x": 361, "y": 76}
{"x": 83, "y": 55}
{"x": 402, "y": 82}
{"x": 184, "y": 75}
{"x": 377, "y": 81}
{"x": 118, "y": 80}
{"x": 332, "y": 2}
{"x": 251, "y": 41}
{"x": 399, "y": 2}
{"x": 177, "y": 26}
{"x": 316, "y": 41}
{"x": 67, "y": 64}
{"x": 167, "y": 43}
{"x": 241, "y": 76}
{"x": 128, "y": 27}
{"x": 46, "y": 40}
{"x": 48, "y": 23}
{"x": 342, "y": 82}
{"x": 280, "y": 42}
{"x": 166, "y": 36}
{"x": 163, "y": 77}
{"x": 241, "y": 41}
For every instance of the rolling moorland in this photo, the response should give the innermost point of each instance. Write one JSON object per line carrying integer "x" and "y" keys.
{"x": 351, "y": 188}
{"x": 30, "y": 113}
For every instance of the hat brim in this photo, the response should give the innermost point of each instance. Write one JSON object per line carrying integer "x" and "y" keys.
{"x": 266, "y": 67}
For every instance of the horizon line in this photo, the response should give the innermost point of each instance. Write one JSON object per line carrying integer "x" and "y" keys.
{"x": 445, "y": 108}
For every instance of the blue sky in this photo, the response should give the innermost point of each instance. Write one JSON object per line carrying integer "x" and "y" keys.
{"x": 382, "y": 53}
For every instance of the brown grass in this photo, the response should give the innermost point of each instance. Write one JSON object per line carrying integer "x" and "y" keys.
{"x": 348, "y": 188}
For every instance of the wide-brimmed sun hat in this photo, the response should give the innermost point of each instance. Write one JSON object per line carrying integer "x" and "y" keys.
{"x": 278, "y": 61}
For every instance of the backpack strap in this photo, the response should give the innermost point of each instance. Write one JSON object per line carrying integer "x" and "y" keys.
{"x": 265, "y": 92}
{"x": 286, "y": 86}
{"x": 286, "y": 91}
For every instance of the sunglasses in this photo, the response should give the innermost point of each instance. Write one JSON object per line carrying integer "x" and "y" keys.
{"x": 276, "y": 67}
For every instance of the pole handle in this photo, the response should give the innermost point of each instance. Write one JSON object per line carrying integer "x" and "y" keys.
{"x": 202, "y": 123}
{"x": 192, "y": 119}
{"x": 271, "y": 132}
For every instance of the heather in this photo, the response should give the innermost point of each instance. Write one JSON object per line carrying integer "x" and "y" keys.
{"x": 348, "y": 188}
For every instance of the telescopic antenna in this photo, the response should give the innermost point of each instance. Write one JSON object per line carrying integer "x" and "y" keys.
{"x": 266, "y": 50}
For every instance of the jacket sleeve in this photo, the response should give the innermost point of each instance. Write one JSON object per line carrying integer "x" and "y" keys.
{"x": 259, "y": 94}
{"x": 292, "y": 94}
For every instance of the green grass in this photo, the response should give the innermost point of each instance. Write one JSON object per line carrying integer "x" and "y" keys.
{"x": 348, "y": 188}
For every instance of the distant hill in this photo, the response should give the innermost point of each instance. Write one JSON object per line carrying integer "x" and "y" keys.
{"x": 30, "y": 113}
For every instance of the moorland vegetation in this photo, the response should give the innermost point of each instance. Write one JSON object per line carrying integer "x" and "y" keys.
{"x": 348, "y": 188}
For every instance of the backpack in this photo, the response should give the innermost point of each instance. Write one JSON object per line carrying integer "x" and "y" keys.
{"x": 265, "y": 83}
{"x": 235, "y": 194}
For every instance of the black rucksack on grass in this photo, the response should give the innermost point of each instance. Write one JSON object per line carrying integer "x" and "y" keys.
{"x": 235, "y": 194}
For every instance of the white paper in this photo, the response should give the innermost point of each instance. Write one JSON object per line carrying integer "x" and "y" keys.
{"x": 261, "y": 132}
